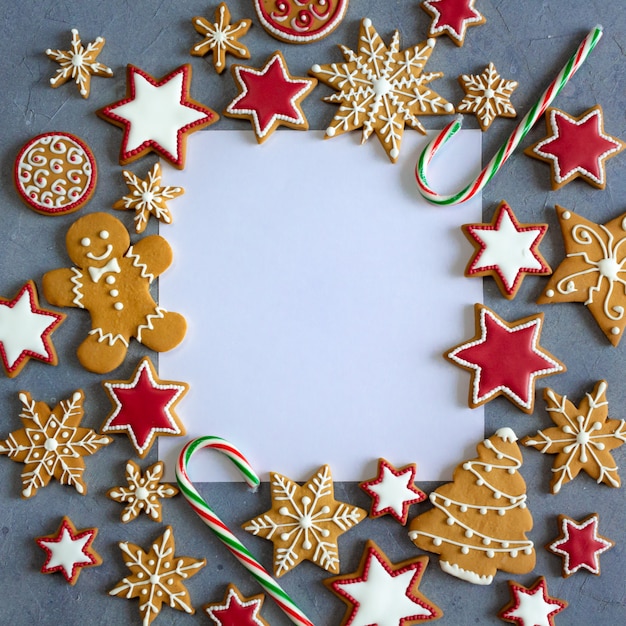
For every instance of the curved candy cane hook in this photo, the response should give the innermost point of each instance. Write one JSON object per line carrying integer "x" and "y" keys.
{"x": 506, "y": 149}
{"x": 241, "y": 553}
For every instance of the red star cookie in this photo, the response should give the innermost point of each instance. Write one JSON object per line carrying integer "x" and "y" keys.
{"x": 235, "y": 610}
{"x": 576, "y": 147}
{"x": 393, "y": 490}
{"x": 270, "y": 97}
{"x": 157, "y": 115}
{"x": 69, "y": 550}
{"x": 25, "y": 330}
{"x": 506, "y": 250}
{"x": 531, "y": 606}
{"x": 580, "y": 545}
{"x": 504, "y": 358}
{"x": 452, "y": 18}
{"x": 144, "y": 407}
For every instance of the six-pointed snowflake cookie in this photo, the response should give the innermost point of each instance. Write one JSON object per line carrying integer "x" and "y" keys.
{"x": 531, "y": 606}
{"x": 452, "y": 18}
{"x": 236, "y": 610}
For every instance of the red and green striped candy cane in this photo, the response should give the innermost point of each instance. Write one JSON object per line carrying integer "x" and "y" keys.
{"x": 507, "y": 148}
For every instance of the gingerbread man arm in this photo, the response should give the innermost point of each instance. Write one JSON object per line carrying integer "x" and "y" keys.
{"x": 154, "y": 252}
{"x": 60, "y": 287}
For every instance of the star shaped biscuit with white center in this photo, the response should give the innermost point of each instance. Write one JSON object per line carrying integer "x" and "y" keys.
{"x": 452, "y": 18}
{"x": 506, "y": 250}
{"x": 531, "y": 606}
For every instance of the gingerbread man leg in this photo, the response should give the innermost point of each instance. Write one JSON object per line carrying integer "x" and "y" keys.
{"x": 163, "y": 331}
{"x": 99, "y": 355}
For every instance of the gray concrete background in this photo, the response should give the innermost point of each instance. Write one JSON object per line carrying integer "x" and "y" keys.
{"x": 528, "y": 42}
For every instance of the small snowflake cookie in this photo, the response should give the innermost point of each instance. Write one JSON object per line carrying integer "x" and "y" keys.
{"x": 531, "y": 606}
{"x": 452, "y": 18}
{"x": 236, "y": 610}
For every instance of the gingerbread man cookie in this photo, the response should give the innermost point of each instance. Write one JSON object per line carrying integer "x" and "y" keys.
{"x": 112, "y": 280}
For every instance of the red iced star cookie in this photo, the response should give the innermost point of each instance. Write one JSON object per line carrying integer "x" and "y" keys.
{"x": 235, "y": 610}
{"x": 270, "y": 97}
{"x": 576, "y": 147}
{"x": 580, "y": 545}
{"x": 506, "y": 250}
{"x": 531, "y": 606}
{"x": 69, "y": 550}
{"x": 25, "y": 330}
{"x": 504, "y": 358}
{"x": 452, "y": 18}
{"x": 393, "y": 490}
{"x": 157, "y": 115}
{"x": 144, "y": 407}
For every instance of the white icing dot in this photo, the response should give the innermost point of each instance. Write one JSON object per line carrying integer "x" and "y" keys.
{"x": 114, "y": 293}
{"x": 330, "y": 131}
{"x": 110, "y": 280}
{"x": 325, "y": 532}
{"x": 104, "y": 234}
{"x": 469, "y": 533}
{"x": 436, "y": 541}
{"x": 430, "y": 42}
{"x": 466, "y": 466}
{"x": 488, "y": 468}
{"x": 566, "y": 215}
{"x": 51, "y": 445}
{"x": 513, "y": 554}
{"x": 480, "y": 482}
{"x": 497, "y": 495}
{"x": 154, "y": 579}
{"x": 446, "y": 502}
{"x": 486, "y": 541}
{"x": 367, "y": 22}
{"x": 316, "y": 68}
{"x": 85, "y": 241}
{"x": 483, "y": 511}
{"x": 501, "y": 512}
{"x": 463, "y": 508}
{"x": 464, "y": 549}
{"x": 489, "y": 93}
{"x": 306, "y": 500}
{"x": 448, "y": 107}
{"x": 490, "y": 554}
{"x": 118, "y": 306}
{"x": 284, "y": 536}
{"x": 394, "y": 153}
{"x": 550, "y": 293}
{"x": 505, "y": 544}
{"x": 615, "y": 330}
{"x": 528, "y": 550}
{"x": 142, "y": 493}
{"x": 450, "y": 521}
{"x": 306, "y": 544}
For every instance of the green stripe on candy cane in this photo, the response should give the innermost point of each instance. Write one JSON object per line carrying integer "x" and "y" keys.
{"x": 208, "y": 516}
{"x": 516, "y": 137}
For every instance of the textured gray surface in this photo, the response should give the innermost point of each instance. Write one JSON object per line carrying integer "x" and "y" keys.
{"x": 528, "y": 42}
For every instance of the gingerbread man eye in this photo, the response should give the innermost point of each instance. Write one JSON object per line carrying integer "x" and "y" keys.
{"x": 85, "y": 241}
{"x": 104, "y": 234}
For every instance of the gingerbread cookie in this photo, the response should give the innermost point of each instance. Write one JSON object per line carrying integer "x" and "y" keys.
{"x": 452, "y": 18}
{"x": 531, "y": 606}
{"x": 112, "y": 281}
{"x": 235, "y": 610}
{"x": 55, "y": 173}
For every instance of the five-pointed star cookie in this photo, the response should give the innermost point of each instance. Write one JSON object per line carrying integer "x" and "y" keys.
{"x": 580, "y": 545}
{"x": 382, "y": 89}
{"x": 69, "y": 550}
{"x": 270, "y": 97}
{"x": 531, "y": 606}
{"x": 506, "y": 250}
{"x": 79, "y": 63}
{"x": 144, "y": 407}
{"x": 576, "y": 147}
{"x": 381, "y": 592}
{"x": 452, "y": 18}
{"x": 582, "y": 438}
{"x": 305, "y": 522}
{"x": 504, "y": 358}
{"x": 393, "y": 490}
{"x": 157, "y": 115}
{"x": 221, "y": 37}
{"x": 235, "y": 610}
{"x": 25, "y": 330}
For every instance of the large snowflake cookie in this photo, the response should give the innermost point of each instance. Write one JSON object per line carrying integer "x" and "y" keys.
{"x": 236, "y": 610}
{"x": 479, "y": 521}
{"x": 305, "y": 522}
{"x": 531, "y": 606}
{"x": 112, "y": 281}
{"x": 452, "y": 18}
{"x": 382, "y": 89}
{"x": 582, "y": 438}
{"x": 384, "y": 593}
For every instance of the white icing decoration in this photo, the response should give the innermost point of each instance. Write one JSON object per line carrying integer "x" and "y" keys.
{"x": 67, "y": 552}
{"x": 76, "y": 278}
{"x": 136, "y": 260}
{"x": 96, "y": 273}
{"x": 533, "y": 609}
{"x": 464, "y": 574}
{"x": 393, "y": 490}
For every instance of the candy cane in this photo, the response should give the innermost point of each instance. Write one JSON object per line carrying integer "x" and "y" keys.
{"x": 241, "y": 553}
{"x": 507, "y": 148}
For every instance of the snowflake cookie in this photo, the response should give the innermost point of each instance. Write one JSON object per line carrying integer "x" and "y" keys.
{"x": 382, "y": 89}
{"x": 143, "y": 492}
{"x": 52, "y": 444}
{"x": 305, "y": 522}
{"x": 235, "y": 610}
{"x": 531, "y": 606}
{"x": 582, "y": 439}
{"x": 452, "y": 18}
{"x": 69, "y": 550}
{"x": 157, "y": 577}
{"x": 384, "y": 593}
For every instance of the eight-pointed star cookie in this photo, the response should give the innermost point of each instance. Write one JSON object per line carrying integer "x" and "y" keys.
{"x": 382, "y": 89}
{"x": 531, "y": 606}
{"x": 383, "y": 593}
{"x": 270, "y": 97}
{"x": 582, "y": 438}
{"x": 305, "y": 522}
{"x": 452, "y": 18}
{"x": 157, "y": 115}
{"x": 69, "y": 550}
{"x": 236, "y": 610}
{"x": 504, "y": 358}
{"x": 576, "y": 147}
{"x": 506, "y": 250}
{"x": 25, "y": 330}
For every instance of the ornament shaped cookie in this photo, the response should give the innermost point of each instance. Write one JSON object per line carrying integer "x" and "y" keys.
{"x": 144, "y": 491}
{"x": 25, "y": 330}
{"x": 157, "y": 577}
{"x": 393, "y": 491}
{"x": 452, "y": 18}
{"x": 576, "y": 147}
{"x": 79, "y": 63}
{"x": 504, "y": 359}
{"x": 305, "y": 522}
{"x": 220, "y": 37}
{"x": 582, "y": 438}
{"x": 506, "y": 250}
{"x": 111, "y": 279}
{"x": 592, "y": 271}
{"x": 270, "y": 97}
{"x": 236, "y": 610}
{"x": 479, "y": 521}
{"x": 55, "y": 173}
{"x": 52, "y": 443}
{"x": 382, "y": 89}
{"x": 144, "y": 407}
{"x": 531, "y": 606}
{"x": 157, "y": 115}
{"x": 299, "y": 21}
{"x": 69, "y": 550}
{"x": 384, "y": 593}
